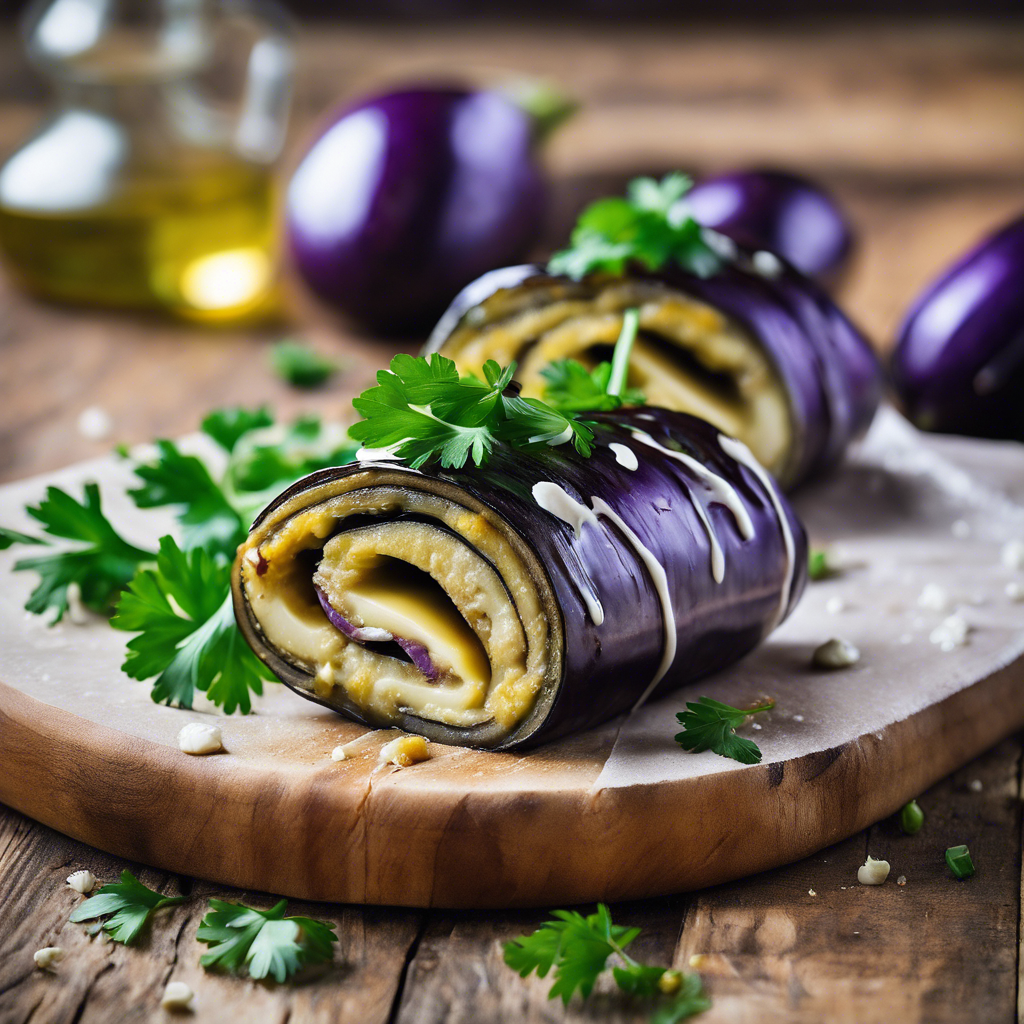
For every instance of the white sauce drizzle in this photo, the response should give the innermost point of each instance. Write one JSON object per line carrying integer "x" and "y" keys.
{"x": 657, "y": 571}
{"x": 624, "y": 455}
{"x": 742, "y": 454}
{"x": 381, "y": 454}
{"x": 554, "y": 499}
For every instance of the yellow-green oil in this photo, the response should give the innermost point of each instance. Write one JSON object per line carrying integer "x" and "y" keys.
{"x": 198, "y": 241}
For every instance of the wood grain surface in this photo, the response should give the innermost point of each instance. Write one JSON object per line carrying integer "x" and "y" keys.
{"x": 917, "y": 127}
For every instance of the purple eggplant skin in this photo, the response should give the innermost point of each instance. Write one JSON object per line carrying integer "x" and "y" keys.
{"x": 958, "y": 364}
{"x": 831, "y": 374}
{"x": 409, "y": 195}
{"x": 779, "y": 211}
{"x": 606, "y": 668}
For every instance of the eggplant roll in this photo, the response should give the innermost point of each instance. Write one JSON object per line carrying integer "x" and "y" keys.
{"x": 757, "y": 349}
{"x": 540, "y": 595}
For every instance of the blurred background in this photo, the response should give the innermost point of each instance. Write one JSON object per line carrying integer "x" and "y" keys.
{"x": 910, "y": 114}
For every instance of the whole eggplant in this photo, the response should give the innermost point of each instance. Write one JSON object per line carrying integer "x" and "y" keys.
{"x": 407, "y": 196}
{"x": 665, "y": 556}
{"x": 958, "y": 365}
{"x": 779, "y": 211}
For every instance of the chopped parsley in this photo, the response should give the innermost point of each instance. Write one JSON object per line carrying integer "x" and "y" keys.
{"x": 129, "y": 904}
{"x": 651, "y": 227}
{"x": 710, "y": 725}
{"x": 300, "y": 365}
{"x": 577, "y": 950}
{"x": 264, "y": 941}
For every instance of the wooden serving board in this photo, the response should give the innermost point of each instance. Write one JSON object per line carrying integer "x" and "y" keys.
{"x": 617, "y": 813}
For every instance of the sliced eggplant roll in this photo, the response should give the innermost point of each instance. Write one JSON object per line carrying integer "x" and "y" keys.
{"x": 541, "y": 595}
{"x": 757, "y": 349}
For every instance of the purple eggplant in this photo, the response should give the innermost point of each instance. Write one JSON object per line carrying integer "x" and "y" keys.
{"x": 407, "y": 196}
{"x": 586, "y": 585}
{"x": 958, "y": 365}
{"x": 756, "y": 348}
{"x": 779, "y": 211}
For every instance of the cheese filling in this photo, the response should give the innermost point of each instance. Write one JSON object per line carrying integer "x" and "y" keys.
{"x": 409, "y": 566}
{"x": 687, "y": 356}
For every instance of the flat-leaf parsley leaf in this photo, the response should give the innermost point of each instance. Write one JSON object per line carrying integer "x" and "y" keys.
{"x": 129, "y": 902}
{"x": 710, "y": 725}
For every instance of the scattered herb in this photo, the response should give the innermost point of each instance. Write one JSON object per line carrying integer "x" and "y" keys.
{"x": 229, "y": 425}
{"x": 101, "y": 566}
{"x": 820, "y": 565}
{"x": 573, "y": 388}
{"x": 711, "y": 725}
{"x": 188, "y": 638}
{"x": 129, "y": 903}
{"x": 423, "y": 410}
{"x": 959, "y": 860}
{"x": 578, "y": 948}
{"x": 911, "y": 818}
{"x": 652, "y": 227}
{"x": 301, "y": 365}
{"x": 265, "y": 941}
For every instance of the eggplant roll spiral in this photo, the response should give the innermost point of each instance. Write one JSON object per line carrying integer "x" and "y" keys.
{"x": 540, "y": 595}
{"x": 757, "y": 349}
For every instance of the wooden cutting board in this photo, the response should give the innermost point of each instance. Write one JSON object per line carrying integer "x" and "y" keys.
{"x": 617, "y": 813}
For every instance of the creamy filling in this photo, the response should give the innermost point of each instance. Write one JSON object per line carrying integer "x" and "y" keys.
{"x": 687, "y": 356}
{"x": 446, "y": 581}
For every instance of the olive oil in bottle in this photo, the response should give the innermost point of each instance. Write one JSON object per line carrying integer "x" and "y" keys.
{"x": 145, "y": 189}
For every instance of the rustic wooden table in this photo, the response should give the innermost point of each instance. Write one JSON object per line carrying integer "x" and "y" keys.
{"x": 920, "y": 131}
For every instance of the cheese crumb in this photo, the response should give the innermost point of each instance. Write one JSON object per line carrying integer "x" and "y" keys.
{"x": 975, "y": 785}
{"x": 836, "y": 653}
{"x": 1014, "y": 591}
{"x": 200, "y": 738}
{"x": 873, "y": 872}
{"x": 338, "y": 754}
{"x": 811, "y": 892}
{"x": 48, "y": 956}
{"x": 77, "y": 612}
{"x": 82, "y": 881}
{"x": 1012, "y": 554}
{"x": 177, "y": 996}
{"x": 767, "y": 264}
{"x": 951, "y": 633}
{"x": 95, "y": 423}
{"x": 933, "y": 597}
{"x": 835, "y": 605}
{"x": 404, "y": 751}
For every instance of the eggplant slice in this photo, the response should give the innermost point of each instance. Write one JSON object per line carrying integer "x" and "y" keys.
{"x": 757, "y": 349}
{"x": 541, "y": 595}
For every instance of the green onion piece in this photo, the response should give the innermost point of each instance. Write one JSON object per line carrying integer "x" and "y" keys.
{"x": 911, "y": 818}
{"x": 620, "y": 357}
{"x": 959, "y": 860}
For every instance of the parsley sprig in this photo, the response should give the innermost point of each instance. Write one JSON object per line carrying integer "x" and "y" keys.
{"x": 651, "y": 227}
{"x": 129, "y": 904}
{"x": 710, "y": 725}
{"x": 422, "y": 409}
{"x": 300, "y": 365}
{"x": 572, "y": 388}
{"x": 100, "y": 563}
{"x": 577, "y": 949}
{"x": 263, "y": 941}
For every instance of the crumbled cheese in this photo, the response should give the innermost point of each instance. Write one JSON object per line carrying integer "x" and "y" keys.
{"x": 200, "y": 738}
{"x": 82, "y": 881}
{"x": 836, "y": 653}
{"x": 1015, "y": 591}
{"x": 933, "y": 597}
{"x": 404, "y": 751}
{"x": 961, "y": 529}
{"x": 835, "y": 605}
{"x": 975, "y": 785}
{"x": 951, "y": 633}
{"x": 767, "y": 264}
{"x": 48, "y": 956}
{"x": 177, "y": 996}
{"x": 798, "y": 718}
{"x": 811, "y": 892}
{"x": 338, "y": 754}
{"x": 873, "y": 872}
{"x": 76, "y": 610}
{"x": 1012, "y": 554}
{"x": 719, "y": 244}
{"x": 95, "y": 423}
